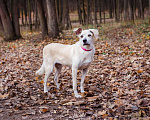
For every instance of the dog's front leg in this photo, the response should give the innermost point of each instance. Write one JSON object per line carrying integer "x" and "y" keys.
{"x": 74, "y": 78}
{"x": 84, "y": 71}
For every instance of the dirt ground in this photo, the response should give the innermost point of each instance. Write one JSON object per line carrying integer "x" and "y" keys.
{"x": 117, "y": 84}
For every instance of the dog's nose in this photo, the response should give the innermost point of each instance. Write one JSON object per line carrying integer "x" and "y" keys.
{"x": 85, "y": 40}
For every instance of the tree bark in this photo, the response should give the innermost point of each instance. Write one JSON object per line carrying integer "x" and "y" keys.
{"x": 100, "y": 15}
{"x": 57, "y": 9}
{"x": 15, "y": 19}
{"x": 79, "y": 12}
{"x": 88, "y": 12}
{"x": 36, "y": 17}
{"x": 95, "y": 12}
{"x": 25, "y": 11}
{"x": 6, "y": 21}
{"x": 117, "y": 12}
{"x": 110, "y": 8}
{"x": 104, "y": 6}
{"x": 29, "y": 15}
{"x": 66, "y": 18}
{"x": 60, "y": 12}
{"x": 149, "y": 12}
{"x": 52, "y": 19}
{"x": 131, "y": 12}
{"x": 141, "y": 9}
{"x": 84, "y": 14}
{"x": 125, "y": 9}
{"x": 1, "y": 28}
{"x": 42, "y": 17}
{"x": 22, "y": 16}
{"x": 89, "y": 15}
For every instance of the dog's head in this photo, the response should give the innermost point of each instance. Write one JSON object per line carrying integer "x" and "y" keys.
{"x": 87, "y": 36}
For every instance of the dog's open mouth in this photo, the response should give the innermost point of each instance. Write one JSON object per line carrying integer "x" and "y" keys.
{"x": 86, "y": 44}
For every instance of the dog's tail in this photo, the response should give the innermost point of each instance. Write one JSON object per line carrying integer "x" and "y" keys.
{"x": 41, "y": 70}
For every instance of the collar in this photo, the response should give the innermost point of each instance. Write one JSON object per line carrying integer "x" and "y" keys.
{"x": 86, "y": 49}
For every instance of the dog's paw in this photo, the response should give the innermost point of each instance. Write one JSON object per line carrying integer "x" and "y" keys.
{"x": 82, "y": 91}
{"x": 45, "y": 90}
{"x": 78, "y": 96}
{"x": 58, "y": 86}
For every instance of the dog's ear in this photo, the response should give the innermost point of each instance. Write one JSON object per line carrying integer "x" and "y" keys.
{"x": 78, "y": 31}
{"x": 95, "y": 32}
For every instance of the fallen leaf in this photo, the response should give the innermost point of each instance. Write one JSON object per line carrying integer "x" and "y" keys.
{"x": 92, "y": 98}
{"x": 44, "y": 110}
{"x": 4, "y": 96}
{"x": 100, "y": 113}
{"x": 74, "y": 103}
{"x": 140, "y": 71}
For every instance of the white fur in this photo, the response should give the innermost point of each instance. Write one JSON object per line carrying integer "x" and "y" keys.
{"x": 56, "y": 55}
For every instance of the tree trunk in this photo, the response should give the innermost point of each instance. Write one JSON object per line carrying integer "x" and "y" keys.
{"x": 125, "y": 9}
{"x": 66, "y": 18}
{"x": 110, "y": 8}
{"x": 29, "y": 15}
{"x": 25, "y": 11}
{"x": 42, "y": 18}
{"x": 100, "y": 15}
{"x": 52, "y": 19}
{"x": 84, "y": 14}
{"x": 60, "y": 12}
{"x": 15, "y": 19}
{"x": 95, "y": 12}
{"x": 1, "y": 28}
{"x": 149, "y": 12}
{"x": 131, "y": 12}
{"x": 6, "y": 21}
{"x": 79, "y": 12}
{"x": 104, "y": 10}
{"x": 57, "y": 9}
{"x": 36, "y": 17}
{"x": 89, "y": 16}
{"x": 117, "y": 13}
{"x": 22, "y": 16}
{"x": 141, "y": 9}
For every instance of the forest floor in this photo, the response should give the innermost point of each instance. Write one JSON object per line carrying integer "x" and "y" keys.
{"x": 117, "y": 84}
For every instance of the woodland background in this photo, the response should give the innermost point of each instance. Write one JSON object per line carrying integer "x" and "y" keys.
{"x": 53, "y": 16}
{"x": 118, "y": 81}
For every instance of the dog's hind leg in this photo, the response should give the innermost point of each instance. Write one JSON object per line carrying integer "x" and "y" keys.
{"x": 48, "y": 70}
{"x": 58, "y": 70}
{"x": 84, "y": 71}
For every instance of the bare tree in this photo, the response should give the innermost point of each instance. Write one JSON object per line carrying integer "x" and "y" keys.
{"x": 42, "y": 17}
{"x": 66, "y": 18}
{"x": 84, "y": 13}
{"x": 15, "y": 19}
{"x": 52, "y": 19}
{"x": 131, "y": 11}
{"x": 29, "y": 15}
{"x": 110, "y": 8}
{"x": 79, "y": 11}
{"x": 149, "y": 11}
{"x": 125, "y": 9}
{"x": 6, "y": 21}
{"x": 89, "y": 15}
{"x": 95, "y": 12}
{"x": 1, "y": 28}
{"x": 117, "y": 11}
{"x": 100, "y": 15}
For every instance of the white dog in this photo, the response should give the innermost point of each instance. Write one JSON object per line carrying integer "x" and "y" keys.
{"x": 78, "y": 56}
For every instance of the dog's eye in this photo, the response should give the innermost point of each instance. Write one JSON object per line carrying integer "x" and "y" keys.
{"x": 89, "y": 35}
{"x": 81, "y": 36}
